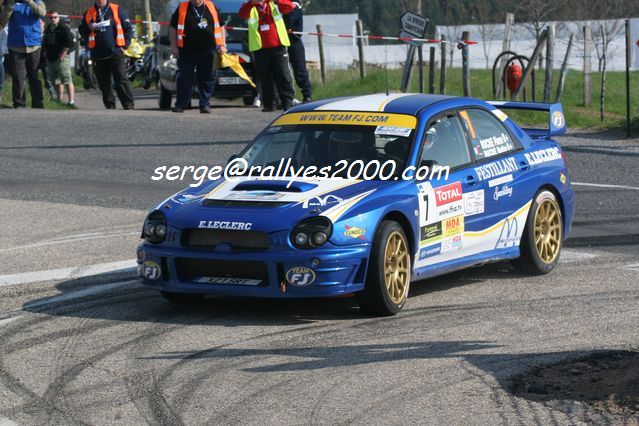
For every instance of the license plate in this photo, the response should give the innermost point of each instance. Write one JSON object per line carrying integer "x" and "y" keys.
{"x": 230, "y": 80}
{"x": 227, "y": 281}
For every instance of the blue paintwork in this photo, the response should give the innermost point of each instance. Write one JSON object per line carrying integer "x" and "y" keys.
{"x": 343, "y": 260}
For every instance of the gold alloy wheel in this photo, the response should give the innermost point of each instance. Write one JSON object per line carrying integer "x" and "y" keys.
{"x": 396, "y": 265}
{"x": 548, "y": 230}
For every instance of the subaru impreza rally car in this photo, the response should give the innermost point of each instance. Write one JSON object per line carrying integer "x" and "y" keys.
{"x": 506, "y": 195}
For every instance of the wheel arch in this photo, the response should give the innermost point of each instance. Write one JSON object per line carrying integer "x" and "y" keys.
{"x": 402, "y": 220}
{"x": 560, "y": 201}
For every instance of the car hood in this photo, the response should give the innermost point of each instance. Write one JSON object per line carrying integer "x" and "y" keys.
{"x": 265, "y": 205}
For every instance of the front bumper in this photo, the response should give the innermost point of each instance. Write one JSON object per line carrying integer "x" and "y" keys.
{"x": 336, "y": 271}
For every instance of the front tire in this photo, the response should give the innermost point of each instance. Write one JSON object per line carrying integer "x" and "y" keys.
{"x": 541, "y": 242}
{"x": 389, "y": 270}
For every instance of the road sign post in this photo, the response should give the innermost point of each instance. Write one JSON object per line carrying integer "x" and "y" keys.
{"x": 413, "y": 26}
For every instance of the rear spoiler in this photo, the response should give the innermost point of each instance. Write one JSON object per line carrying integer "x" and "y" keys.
{"x": 556, "y": 120}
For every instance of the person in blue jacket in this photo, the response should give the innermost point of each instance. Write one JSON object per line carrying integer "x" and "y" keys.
{"x": 296, "y": 52}
{"x": 24, "y": 41}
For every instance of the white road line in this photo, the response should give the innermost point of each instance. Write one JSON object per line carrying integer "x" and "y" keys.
{"x": 69, "y": 239}
{"x": 67, "y": 273}
{"x": 6, "y": 422}
{"x": 6, "y": 321}
{"x": 600, "y": 185}
{"x": 633, "y": 267}
{"x": 77, "y": 294}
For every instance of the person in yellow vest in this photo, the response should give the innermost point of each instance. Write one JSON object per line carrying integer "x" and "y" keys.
{"x": 196, "y": 35}
{"x": 107, "y": 31}
{"x": 268, "y": 39}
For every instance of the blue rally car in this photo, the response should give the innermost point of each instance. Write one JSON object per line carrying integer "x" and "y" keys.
{"x": 505, "y": 194}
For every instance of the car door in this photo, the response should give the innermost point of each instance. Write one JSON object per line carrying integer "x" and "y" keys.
{"x": 451, "y": 202}
{"x": 500, "y": 167}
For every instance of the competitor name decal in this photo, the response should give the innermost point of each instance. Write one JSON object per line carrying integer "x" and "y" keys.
{"x": 216, "y": 224}
{"x": 498, "y": 168}
{"x": 543, "y": 156}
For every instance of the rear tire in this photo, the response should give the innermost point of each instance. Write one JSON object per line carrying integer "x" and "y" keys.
{"x": 542, "y": 239}
{"x": 389, "y": 270}
{"x": 164, "y": 97}
{"x": 182, "y": 298}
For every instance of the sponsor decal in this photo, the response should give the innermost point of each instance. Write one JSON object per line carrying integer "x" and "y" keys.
{"x": 347, "y": 118}
{"x": 558, "y": 119}
{"x": 186, "y": 198}
{"x": 448, "y": 193}
{"x": 500, "y": 180}
{"x": 452, "y": 243}
{"x": 430, "y": 251}
{"x": 300, "y": 276}
{"x": 562, "y": 178}
{"x": 354, "y": 232}
{"x": 500, "y": 114}
{"x": 495, "y": 145}
{"x": 431, "y": 233}
{"x": 218, "y": 224}
{"x": 450, "y": 210}
{"x": 474, "y": 202}
{"x": 509, "y": 235}
{"x": 255, "y": 195}
{"x": 320, "y": 201}
{"x": 453, "y": 226}
{"x": 151, "y": 270}
{"x": 227, "y": 280}
{"x": 543, "y": 156}
{"x": 497, "y": 168}
{"x": 393, "y": 131}
{"x": 503, "y": 192}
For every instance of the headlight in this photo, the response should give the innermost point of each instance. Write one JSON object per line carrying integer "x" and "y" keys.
{"x": 311, "y": 233}
{"x": 154, "y": 230}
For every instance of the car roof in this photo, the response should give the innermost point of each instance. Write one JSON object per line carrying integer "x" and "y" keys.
{"x": 399, "y": 103}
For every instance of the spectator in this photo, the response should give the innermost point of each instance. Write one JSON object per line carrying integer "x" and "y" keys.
{"x": 296, "y": 52}
{"x": 268, "y": 39}
{"x": 195, "y": 35}
{"x": 58, "y": 42}
{"x": 107, "y": 30}
{"x": 46, "y": 80}
{"x": 3, "y": 52}
{"x": 24, "y": 42}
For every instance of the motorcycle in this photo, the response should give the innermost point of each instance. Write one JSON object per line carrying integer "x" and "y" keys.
{"x": 84, "y": 68}
{"x": 134, "y": 58}
{"x": 150, "y": 67}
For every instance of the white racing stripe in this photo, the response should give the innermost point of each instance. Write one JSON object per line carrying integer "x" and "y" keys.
{"x": 601, "y": 185}
{"x": 368, "y": 103}
{"x": 67, "y": 273}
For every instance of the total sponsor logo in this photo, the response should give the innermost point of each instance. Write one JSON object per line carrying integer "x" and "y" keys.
{"x": 300, "y": 276}
{"x": 430, "y": 251}
{"x": 543, "y": 155}
{"x": 448, "y": 193}
{"x": 497, "y": 168}
{"x": 217, "y": 224}
{"x": 453, "y": 226}
{"x": 503, "y": 192}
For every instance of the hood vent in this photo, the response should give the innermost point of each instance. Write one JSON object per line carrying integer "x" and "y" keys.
{"x": 274, "y": 185}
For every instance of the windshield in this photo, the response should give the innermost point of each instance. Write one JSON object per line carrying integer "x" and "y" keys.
{"x": 322, "y": 145}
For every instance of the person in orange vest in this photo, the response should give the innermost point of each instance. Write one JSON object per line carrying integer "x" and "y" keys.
{"x": 107, "y": 31}
{"x": 268, "y": 39}
{"x": 196, "y": 37}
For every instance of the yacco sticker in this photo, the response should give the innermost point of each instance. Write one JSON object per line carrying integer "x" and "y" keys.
{"x": 448, "y": 193}
{"x": 430, "y": 251}
{"x": 500, "y": 180}
{"x": 497, "y": 168}
{"x": 354, "y": 232}
{"x": 393, "y": 131}
{"x": 430, "y": 233}
{"x": 473, "y": 202}
{"x": 453, "y": 226}
{"x": 543, "y": 155}
{"x": 347, "y": 118}
{"x": 300, "y": 276}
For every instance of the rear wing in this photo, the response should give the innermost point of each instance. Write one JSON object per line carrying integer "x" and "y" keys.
{"x": 556, "y": 120}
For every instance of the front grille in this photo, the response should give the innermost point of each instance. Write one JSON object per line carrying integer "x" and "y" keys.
{"x": 238, "y": 240}
{"x": 188, "y": 269}
{"x": 233, "y": 203}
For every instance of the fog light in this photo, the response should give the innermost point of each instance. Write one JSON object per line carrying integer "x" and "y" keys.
{"x": 319, "y": 238}
{"x": 315, "y": 261}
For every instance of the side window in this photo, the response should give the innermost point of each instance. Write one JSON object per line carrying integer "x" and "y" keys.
{"x": 445, "y": 143}
{"x": 488, "y": 136}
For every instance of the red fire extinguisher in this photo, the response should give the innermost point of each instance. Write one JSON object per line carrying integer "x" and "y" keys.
{"x": 513, "y": 76}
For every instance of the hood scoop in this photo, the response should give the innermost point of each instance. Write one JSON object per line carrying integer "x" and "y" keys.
{"x": 274, "y": 185}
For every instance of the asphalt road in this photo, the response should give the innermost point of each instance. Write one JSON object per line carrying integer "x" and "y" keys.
{"x": 74, "y": 189}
